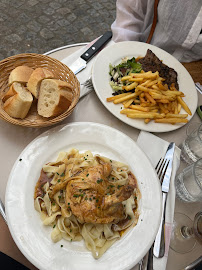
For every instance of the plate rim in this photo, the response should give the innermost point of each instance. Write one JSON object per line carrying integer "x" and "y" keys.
{"x": 59, "y": 127}
{"x": 118, "y": 116}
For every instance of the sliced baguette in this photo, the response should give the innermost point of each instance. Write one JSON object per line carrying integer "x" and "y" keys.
{"x": 35, "y": 79}
{"x": 55, "y": 97}
{"x": 20, "y": 74}
{"x": 18, "y": 101}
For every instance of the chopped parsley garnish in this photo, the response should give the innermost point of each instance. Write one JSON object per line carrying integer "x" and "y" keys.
{"x": 62, "y": 174}
{"x": 99, "y": 181}
{"x": 87, "y": 174}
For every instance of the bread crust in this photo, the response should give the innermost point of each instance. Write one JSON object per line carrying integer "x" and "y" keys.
{"x": 17, "y": 104}
{"x": 20, "y": 74}
{"x": 65, "y": 97}
{"x": 36, "y": 78}
{"x": 11, "y": 92}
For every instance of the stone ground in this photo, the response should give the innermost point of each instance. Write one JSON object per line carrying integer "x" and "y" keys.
{"x": 38, "y": 26}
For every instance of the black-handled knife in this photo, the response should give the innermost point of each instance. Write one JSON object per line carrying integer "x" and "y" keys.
{"x": 81, "y": 62}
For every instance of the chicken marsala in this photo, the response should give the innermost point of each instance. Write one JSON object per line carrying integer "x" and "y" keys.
{"x": 93, "y": 199}
{"x": 86, "y": 196}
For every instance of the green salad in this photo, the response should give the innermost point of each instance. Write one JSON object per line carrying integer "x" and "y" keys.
{"x": 126, "y": 67}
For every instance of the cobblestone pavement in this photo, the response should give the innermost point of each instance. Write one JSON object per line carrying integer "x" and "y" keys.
{"x": 38, "y": 26}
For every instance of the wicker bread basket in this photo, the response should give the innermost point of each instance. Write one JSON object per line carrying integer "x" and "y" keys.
{"x": 61, "y": 72}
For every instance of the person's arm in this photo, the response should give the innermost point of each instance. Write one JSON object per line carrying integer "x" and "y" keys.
{"x": 130, "y": 15}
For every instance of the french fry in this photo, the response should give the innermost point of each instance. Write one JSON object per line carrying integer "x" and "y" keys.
{"x": 173, "y": 93}
{"x": 162, "y": 108}
{"x": 184, "y": 105}
{"x": 161, "y": 86}
{"x": 147, "y": 120}
{"x": 139, "y": 108}
{"x": 155, "y": 87}
{"x": 144, "y": 115}
{"x": 135, "y": 79}
{"x": 128, "y": 102}
{"x": 147, "y": 75}
{"x": 129, "y": 111}
{"x": 120, "y": 100}
{"x": 159, "y": 96}
{"x": 130, "y": 86}
{"x": 144, "y": 83}
{"x": 117, "y": 97}
{"x": 143, "y": 88}
{"x": 125, "y": 78}
{"x": 172, "y": 115}
{"x": 163, "y": 101}
{"x": 179, "y": 106}
{"x": 171, "y": 120}
{"x": 154, "y": 110}
{"x": 149, "y": 84}
{"x": 175, "y": 107}
{"x": 137, "y": 101}
{"x": 150, "y": 98}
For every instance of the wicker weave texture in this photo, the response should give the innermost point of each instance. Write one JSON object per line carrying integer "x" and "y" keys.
{"x": 61, "y": 72}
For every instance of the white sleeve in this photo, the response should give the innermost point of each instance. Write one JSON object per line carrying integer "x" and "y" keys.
{"x": 130, "y": 15}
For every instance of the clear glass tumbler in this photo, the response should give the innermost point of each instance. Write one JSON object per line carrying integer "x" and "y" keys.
{"x": 189, "y": 183}
{"x": 191, "y": 147}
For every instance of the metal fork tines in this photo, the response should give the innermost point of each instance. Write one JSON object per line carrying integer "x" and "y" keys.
{"x": 161, "y": 168}
{"x": 88, "y": 83}
{"x": 88, "y": 87}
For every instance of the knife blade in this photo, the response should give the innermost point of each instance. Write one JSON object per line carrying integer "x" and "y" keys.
{"x": 81, "y": 62}
{"x": 159, "y": 244}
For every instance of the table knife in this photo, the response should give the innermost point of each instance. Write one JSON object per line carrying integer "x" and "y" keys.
{"x": 159, "y": 244}
{"x": 81, "y": 62}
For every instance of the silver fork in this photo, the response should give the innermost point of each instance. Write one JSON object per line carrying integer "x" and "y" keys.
{"x": 160, "y": 168}
{"x": 88, "y": 87}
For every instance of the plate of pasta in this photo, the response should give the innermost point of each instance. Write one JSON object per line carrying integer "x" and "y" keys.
{"x": 144, "y": 86}
{"x": 79, "y": 197}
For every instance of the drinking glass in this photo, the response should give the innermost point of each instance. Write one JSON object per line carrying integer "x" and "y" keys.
{"x": 186, "y": 232}
{"x": 191, "y": 147}
{"x": 188, "y": 183}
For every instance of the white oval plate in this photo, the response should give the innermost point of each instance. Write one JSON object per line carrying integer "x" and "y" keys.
{"x": 33, "y": 239}
{"x": 113, "y": 55}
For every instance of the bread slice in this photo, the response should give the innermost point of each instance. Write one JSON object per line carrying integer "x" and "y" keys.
{"x": 55, "y": 97}
{"x": 18, "y": 101}
{"x": 20, "y": 74}
{"x": 35, "y": 79}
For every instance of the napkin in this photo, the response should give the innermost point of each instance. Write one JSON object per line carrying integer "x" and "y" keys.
{"x": 155, "y": 148}
{"x": 85, "y": 74}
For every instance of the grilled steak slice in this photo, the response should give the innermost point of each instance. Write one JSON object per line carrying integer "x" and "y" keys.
{"x": 152, "y": 63}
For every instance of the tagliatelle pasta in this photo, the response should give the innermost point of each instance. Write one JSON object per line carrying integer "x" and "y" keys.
{"x": 89, "y": 197}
